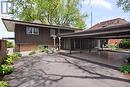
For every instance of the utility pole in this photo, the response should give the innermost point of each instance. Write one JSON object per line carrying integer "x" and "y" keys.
{"x": 91, "y": 13}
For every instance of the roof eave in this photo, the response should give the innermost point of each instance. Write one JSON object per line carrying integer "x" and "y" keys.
{"x": 36, "y": 24}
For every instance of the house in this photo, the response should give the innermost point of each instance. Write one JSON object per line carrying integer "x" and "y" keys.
{"x": 3, "y": 50}
{"x": 28, "y": 36}
{"x": 109, "y": 23}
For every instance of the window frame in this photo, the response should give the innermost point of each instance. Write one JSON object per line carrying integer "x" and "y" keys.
{"x": 32, "y": 30}
{"x": 52, "y": 32}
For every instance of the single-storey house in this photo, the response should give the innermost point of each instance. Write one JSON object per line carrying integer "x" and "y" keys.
{"x": 29, "y": 36}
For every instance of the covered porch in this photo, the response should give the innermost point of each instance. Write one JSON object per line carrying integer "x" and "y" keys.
{"x": 87, "y": 45}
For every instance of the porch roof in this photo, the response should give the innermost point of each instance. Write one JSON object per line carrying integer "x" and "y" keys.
{"x": 118, "y": 31}
{"x": 10, "y": 25}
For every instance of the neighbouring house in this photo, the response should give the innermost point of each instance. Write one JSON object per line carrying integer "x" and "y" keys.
{"x": 28, "y": 36}
{"x": 109, "y": 23}
{"x": 3, "y": 50}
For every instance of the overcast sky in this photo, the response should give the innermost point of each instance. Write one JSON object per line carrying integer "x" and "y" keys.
{"x": 101, "y": 9}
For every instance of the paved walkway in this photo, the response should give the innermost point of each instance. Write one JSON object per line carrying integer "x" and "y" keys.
{"x": 61, "y": 71}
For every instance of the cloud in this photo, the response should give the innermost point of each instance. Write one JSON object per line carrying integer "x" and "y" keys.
{"x": 103, "y": 3}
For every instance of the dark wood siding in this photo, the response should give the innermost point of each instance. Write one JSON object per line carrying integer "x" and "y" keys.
{"x": 3, "y": 50}
{"x": 43, "y": 38}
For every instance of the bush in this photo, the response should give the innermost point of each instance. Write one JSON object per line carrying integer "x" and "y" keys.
{"x": 9, "y": 44}
{"x": 113, "y": 47}
{"x": 125, "y": 68}
{"x": 17, "y": 54}
{"x": 10, "y": 58}
{"x": 43, "y": 48}
{"x": 3, "y": 84}
{"x": 5, "y": 69}
{"x": 125, "y": 43}
{"x": 32, "y": 53}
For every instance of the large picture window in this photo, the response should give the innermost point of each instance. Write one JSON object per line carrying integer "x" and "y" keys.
{"x": 32, "y": 30}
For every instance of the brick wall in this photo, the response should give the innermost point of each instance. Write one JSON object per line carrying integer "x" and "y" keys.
{"x": 114, "y": 41}
{"x": 3, "y": 50}
{"x": 29, "y": 47}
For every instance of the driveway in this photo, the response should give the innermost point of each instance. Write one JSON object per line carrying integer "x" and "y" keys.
{"x": 56, "y": 70}
{"x": 110, "y": 58}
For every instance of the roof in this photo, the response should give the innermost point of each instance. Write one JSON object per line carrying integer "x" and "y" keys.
{"x": 10, "y": 25}
{"x": 108, "y": 23}
{"x": 116, "y": 30}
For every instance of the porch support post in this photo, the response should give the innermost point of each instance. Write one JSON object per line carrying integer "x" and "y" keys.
{"x": 70, "y": 46}
{"x": 59, "y": 43}
{"x": 54, "y": 38}
{"x": 80, "y": 45}
{"x": 90, "y": 46}
{"x": 99, "y": 44}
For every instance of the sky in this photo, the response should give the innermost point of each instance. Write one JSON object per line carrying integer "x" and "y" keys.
{"x": 102, "y": 10}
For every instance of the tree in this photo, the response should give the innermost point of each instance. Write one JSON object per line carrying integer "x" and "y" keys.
{"x": 9, "y": 44}
{"x": 125, "y": 43}
{"x": 124, "y": 4}
{"x": 53, "y": 12}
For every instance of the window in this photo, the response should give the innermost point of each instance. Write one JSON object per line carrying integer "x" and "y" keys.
{"x": 52, "y": 32}
{"x": 6, "y": 7}
{"x": 32, "y": 30}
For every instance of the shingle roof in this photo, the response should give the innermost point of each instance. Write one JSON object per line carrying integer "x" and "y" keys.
{"x": 108, "y": 23}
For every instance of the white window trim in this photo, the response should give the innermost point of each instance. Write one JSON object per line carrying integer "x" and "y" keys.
{"x": 32, "y": 29}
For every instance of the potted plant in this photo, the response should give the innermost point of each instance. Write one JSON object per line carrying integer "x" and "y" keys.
{"x": 126, "y": 70}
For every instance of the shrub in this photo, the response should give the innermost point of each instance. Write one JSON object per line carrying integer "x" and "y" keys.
{"x": 5, "y": 69}
{"x": 3, "y": 84}
{"x": 10, "y": 58}
{"x": 125, "y": 43}
{"x": 113, "y": 47}
{"x": 17, "y": 54}
{"x": 9, "y": 44}
{"x": 43, "y": 48}
{"x": 125, "y": 68}
{"x": 32, "y": 53}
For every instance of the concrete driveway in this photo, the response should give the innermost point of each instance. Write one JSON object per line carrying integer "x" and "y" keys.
{"x": 56, "y": 70}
